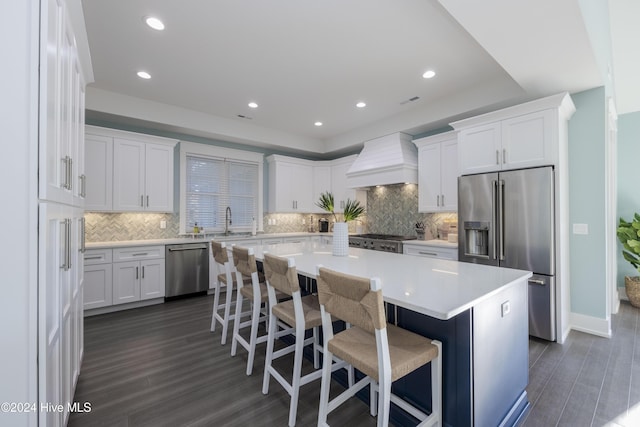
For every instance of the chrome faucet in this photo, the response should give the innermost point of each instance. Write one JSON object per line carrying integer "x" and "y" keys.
{"x": 227, "y": 220}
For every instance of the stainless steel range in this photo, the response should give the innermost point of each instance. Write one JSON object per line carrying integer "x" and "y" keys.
{"x": 379, "y": 242}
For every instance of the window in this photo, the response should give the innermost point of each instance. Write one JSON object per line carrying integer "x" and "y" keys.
{"x": 214, "y": 179}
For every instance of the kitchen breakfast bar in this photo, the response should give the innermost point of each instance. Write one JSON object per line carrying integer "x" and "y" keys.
{"x": 478, "y": 312}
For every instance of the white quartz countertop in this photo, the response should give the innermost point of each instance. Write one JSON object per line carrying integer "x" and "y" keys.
{"x": 434, "y": 287}
{"x": 435, "y": 242}
{"x": 198, "y": 239}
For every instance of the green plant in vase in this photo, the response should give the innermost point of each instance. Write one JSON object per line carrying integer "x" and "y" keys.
{"x": 629, "y": 235}
{"x": 352, "y": 210}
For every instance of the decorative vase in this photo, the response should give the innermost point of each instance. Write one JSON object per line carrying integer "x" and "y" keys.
{"x": 632, "y": 287}
{"x": 340, "y": 239}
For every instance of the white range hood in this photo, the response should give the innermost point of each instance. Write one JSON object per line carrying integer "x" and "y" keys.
{"x": 391, "y": 159}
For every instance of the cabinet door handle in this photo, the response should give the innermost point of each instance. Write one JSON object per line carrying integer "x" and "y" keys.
{"x": 428, "y": 253}
{"x": 137, "y": 273}
{"x": 504, "y": 155}
{"x": 83, "y": 240}
{"x": 147, "y": 200}
{"x": 65, "y": 253}
{"x": 65, "y": 162}
{"x": 442, "y": 199}
{"x": 93, "y": 257}
{"x": 70, "y": 173}
{"x": 438, "y": 200}
{"x": 83, "y": 185}
{"x": 143, "y": 271}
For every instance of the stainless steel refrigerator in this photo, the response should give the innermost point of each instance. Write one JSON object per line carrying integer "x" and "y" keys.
{"x": 506, "y": 219}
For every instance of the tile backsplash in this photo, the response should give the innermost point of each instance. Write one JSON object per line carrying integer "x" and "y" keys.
{"x": 108, "y": 227}
{"x": 391, "y": 209}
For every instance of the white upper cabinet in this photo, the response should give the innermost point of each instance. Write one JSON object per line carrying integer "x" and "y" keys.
{"x": 61, "y": 154}
{"x": 321, "y": 183}
{"x": 295, "y": 184}
{"x": 341, "y": 192}
{"x": 99, "y": 172}
{"x": 128, "y": 172}
{"x": 290, "y": 184}
{"x": 438, "y": 173}
{"x": 517, "y": 137}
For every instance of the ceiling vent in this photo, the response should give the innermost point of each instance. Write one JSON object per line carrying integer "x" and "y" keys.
{"x": 391, "y": 159}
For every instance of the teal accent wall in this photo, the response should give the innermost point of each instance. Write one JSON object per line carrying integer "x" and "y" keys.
{"x": 587, "y": 144}
{"x": 628, "y": 192}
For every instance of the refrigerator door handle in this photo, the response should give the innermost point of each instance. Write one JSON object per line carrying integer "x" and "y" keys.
{"x": 494, "y": 189}
{"x": 501, "y": 219}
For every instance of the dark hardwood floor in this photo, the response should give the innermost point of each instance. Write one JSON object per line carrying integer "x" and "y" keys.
{"x": 160, "y": 366}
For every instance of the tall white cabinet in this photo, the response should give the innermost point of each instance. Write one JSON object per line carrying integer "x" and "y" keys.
{"x": 61, "y": 193}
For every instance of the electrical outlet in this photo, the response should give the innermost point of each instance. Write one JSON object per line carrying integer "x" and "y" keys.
{"x": 163, "y": 224}
{"x": 580, "y": 228}
{"x": 505, "y": 308}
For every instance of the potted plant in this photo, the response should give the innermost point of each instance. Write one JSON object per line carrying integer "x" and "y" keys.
{"x": 352, "y": 210}
{"x": 629, "y": 235}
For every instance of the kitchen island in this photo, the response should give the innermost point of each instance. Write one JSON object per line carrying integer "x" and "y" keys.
{"x": 478, "y": 312}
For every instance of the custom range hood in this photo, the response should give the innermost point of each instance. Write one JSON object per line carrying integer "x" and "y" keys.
{"x": 391, "y": 159}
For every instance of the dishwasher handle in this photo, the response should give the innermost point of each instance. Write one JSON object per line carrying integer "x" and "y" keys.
{"x": 188, "y": 249}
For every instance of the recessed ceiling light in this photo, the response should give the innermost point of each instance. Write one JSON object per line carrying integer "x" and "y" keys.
{"x": 144, "y": 75}
{"x": 253, "y": 105}
{"x": 429, "y": 74}
{"x": 318, "y": 123}
{"x": 361, "y": 104}
{"x": 154, "y": 23}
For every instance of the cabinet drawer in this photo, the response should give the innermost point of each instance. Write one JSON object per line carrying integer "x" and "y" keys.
{"x": 300, "y": 239}
{"x": 98, "y": 256}
{"x": 138, "y": 253}
{"x": 431, "y": 251}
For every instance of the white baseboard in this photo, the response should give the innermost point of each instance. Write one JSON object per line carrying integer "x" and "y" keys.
{"x": 591, "y": 325}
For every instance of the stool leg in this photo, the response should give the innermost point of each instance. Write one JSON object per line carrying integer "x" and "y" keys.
{"x": 227, "y": 312}
{"x": 295, "y": 381}
{"x": 269, "y": 356}
{"x": 216, "y": 300}
{"x": 255, "y": 318}
{"x": 325, "y": 386}
{"x": 316, "y": 345}
{"x": 236, "y": 323}
{"x": 384, "y": 401}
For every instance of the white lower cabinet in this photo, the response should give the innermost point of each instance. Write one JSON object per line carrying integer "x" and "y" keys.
{"x": 138, "y": 274}
{"x": 430, "y": 251}
{"x": 98, "y": 278}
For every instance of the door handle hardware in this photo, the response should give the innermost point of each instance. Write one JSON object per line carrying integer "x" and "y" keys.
{"x": 438, "y": 200}
{"x": 70, "y": 173}
{"x": 143, "y": 271}
{"x": 428, "y": 253}
{"x": 494, "y": 189}
{"x": 497, "y": 157}
{"x": 501, "y": 219}
{"x": 504, "y": 156}
{"x": 442, "y": 199}
{"x": 141, "y": 254}
{"x": 83, "y": 239}
{"x": 200, "y": 248}
{"x": 147, "y": 200}
{"x": 83, "y": 185}
{"x": 537, "y": 282}
{"x": 92, "y": 257}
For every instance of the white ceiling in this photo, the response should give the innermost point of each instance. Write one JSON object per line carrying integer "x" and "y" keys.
{"x": 304, "y": 61}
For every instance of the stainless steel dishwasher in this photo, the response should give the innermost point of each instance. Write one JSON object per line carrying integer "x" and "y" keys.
{"x": 187, "y": 269}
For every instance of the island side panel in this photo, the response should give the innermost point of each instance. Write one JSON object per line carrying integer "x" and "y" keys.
{"x": 455, "y": 335}
{"x": 501, "y": 356}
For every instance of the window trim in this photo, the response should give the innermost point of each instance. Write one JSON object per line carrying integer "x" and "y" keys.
{"x": 212, "y": 151}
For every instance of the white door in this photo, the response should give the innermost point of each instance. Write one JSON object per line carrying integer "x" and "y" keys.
{"x": 99, "y": 173}
{"x": 128, "y": 175}
{"x": 126, "y": 282}
{"x": 158, "y": 181}
{"x": 152, "y": 279}
{"x": 449, "y": 175}
{"x": 321, "y": 184}
{"x": 480, "y": 149}
{"x": 429, "y": 178}
{"x": 98, "y": 282}
{"x": 302, "y": 188}
{"x": 527, "y": 140}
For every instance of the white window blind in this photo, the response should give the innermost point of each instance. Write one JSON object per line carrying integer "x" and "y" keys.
{"x": 214, "y": 184}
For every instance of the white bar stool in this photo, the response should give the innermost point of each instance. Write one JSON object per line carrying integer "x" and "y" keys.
{"x": 299, "y": 314}
{"x": 384, "y": 353}
{"x": 224, "y": 278}
{"x": 256, "y": 293}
